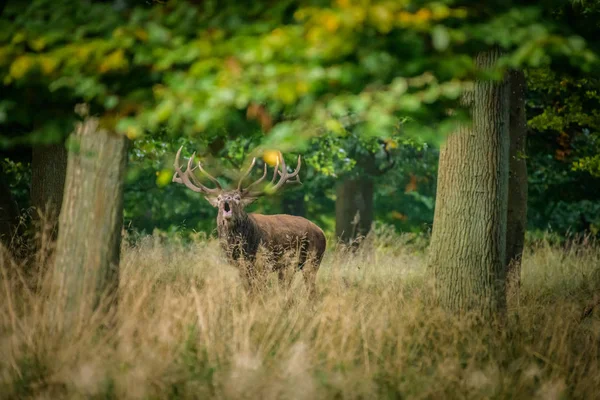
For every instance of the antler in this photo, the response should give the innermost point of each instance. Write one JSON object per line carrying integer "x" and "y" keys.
{"x": 283, "y": 174}
{"x": 248, "y": 173}
{"x": 189, "y": 179}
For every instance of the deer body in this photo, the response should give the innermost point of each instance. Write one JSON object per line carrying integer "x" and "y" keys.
{"x": 243, "y": 235}
{"x": 276, "y": 233}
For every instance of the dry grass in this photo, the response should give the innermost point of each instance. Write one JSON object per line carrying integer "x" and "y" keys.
{"x": 186, "y": 328}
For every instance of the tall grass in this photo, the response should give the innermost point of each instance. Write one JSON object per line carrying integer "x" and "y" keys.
{"x": 185, "y": 327}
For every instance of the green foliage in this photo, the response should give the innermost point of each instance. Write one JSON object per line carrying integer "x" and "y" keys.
{"x": 153, "y": 202}
{"x": 564, "y": 149}
{"x": 590, "y": 164}
{"x": 198, "y": 68}
{"x": 338, "y": 81}
{"x": 18, "y": 176}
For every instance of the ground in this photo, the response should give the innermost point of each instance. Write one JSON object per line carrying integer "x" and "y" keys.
{"x": 186, "y": 328}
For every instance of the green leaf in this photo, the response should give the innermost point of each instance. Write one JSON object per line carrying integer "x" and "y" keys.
{"x": 440, "y": 38}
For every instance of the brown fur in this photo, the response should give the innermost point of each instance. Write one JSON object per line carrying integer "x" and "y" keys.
{"x": 243, "y": 235}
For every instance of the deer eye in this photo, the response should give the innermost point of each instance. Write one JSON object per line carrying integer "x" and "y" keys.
{"x": 236, "y": 198}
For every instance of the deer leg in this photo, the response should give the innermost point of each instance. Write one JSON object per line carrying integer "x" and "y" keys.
{"x": 285, "y": 280}
{"x": 309, "y": 272}
{"x": 310, "y": 267}
{"x": 245, "y": 275}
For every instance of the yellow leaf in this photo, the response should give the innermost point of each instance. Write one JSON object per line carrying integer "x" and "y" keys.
{"x": 390, "y": 144}
{"x": 114, "y": 61}
{"x": 133, "y": 132}
{"x": 38, "y": 44}
{"x": 460, "y": 13}
{"x": 314, "y": 34}
{"x": 334, "y": 126}
{"x": 271, "y": 157}
{"x": 141, "y": 34}
{"x": 301, "y": 14}
{"x": 404, "y": 17}
{"x": 21, "y": 66}
{"x": 423, "y": 15}
{"x": 331, "y": 22}
{"x": 48, "y": 64}
{"x": 343, "y": 3}
{"x": 118, "y": 32}
{"x": 164, "y": 177}
{"x": 164, "y": 111}
{"x": 301, "y": 87}
{"x": 382, "y": 18}
{"x": 108, "y": 121}
{"x": 158, "y": 90}
{"x": 83, "y": 52}
{"x": 440, "y": 11}
{"x": 399, "y": 215}
{"x": 286, "y": 94}
{"x": 18, "y": 38}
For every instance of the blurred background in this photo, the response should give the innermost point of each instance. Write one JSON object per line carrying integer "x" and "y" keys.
{"x": 366, "y": 91}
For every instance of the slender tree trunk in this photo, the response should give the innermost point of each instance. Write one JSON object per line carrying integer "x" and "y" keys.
{"x": 91, "y": 218}
{"x": 517, "y": 184}
{"x": 353, "y": 208}
{"x": 468, "y": 244}
{"x": 48, "y": 170}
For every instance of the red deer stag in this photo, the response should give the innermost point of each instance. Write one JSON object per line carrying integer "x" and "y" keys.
{"x": 241, "y": 234}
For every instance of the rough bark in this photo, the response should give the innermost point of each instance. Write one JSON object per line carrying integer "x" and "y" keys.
{"x": 48, "y": 170}
{"x": 517, "y": 186}
{"x": 91, "y": 218}
{"x": 468, "y": 244}
{"x": 353, "y": 208}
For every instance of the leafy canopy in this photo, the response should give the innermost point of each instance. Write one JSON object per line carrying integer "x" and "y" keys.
{"x": 289, "y": 68}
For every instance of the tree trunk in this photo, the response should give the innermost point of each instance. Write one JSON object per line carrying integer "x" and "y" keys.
{"x": 353, "y": 208}
{"x": 91, "y": 218}
{"x": 517, "y": 186}
{"x": 48, "y": 169}
{"x": 468, "y": 244}
{"x": 9, "y": 213}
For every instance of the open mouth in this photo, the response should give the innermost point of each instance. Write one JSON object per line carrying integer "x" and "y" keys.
{"x": 226, "y": 210}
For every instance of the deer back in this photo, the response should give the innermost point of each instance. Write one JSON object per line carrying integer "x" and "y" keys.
{"x": 286, "y": 232}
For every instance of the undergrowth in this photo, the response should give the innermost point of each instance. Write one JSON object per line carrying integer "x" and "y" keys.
{"x": 185, "y": 327}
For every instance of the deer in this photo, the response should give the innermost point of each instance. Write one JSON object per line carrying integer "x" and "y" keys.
{"x": 242, "y": 235}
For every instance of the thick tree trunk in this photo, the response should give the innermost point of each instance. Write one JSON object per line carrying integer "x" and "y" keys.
{"x": 517, "y": 185}
{"x": 353, "y": 208}
{"x": 468, "y": 244}
{"x": 9, "y": 213}
{"x": 91, "y": 218}
{"x": 48, "y": 170}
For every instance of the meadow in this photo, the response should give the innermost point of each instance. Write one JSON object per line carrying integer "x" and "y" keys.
{"x": 185, "y": 327}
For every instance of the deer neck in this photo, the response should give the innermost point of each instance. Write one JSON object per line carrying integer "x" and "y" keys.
{"x": 239, "y": 237}
{"x": 235, "y": 228}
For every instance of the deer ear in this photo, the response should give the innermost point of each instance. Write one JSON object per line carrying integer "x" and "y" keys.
{"x": 248, "y": 200}
{"x": 212, "y": 200}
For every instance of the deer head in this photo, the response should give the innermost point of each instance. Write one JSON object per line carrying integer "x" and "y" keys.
{"x": 231, "y": 203}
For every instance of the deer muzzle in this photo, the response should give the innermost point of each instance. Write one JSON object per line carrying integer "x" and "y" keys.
{"x": 226, "y": 210}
